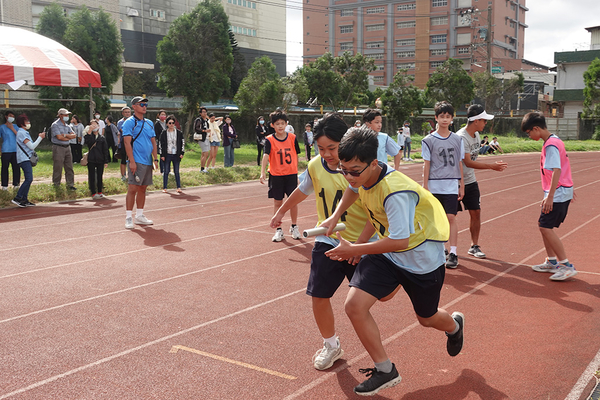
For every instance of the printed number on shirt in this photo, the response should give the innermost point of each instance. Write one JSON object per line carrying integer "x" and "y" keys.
{"x": 374, "y": 222}
{"x": 287, "y": 156}
{"x": 449, "y": 157}
{"x": 336, "y": 200}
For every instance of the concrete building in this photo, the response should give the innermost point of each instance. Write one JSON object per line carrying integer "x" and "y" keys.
{"x": 418, "y": 35}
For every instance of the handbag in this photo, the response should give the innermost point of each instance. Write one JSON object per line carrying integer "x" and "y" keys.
{"x": 33, "y": 158}
{"x": 84, "y": 159}
{"x": 235, "y": 143}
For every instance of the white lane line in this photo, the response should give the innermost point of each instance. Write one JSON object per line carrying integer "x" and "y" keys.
{"x": 584, "y": 379}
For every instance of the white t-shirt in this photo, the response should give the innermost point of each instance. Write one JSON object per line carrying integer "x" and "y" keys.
{"x": 471, "y": 146}
{"x": 289, "y": 128}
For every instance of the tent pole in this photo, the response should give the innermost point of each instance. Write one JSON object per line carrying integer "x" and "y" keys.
{"x": 91, "y": 102}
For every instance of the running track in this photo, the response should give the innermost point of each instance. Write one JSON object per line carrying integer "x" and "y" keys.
{"x": 202, "y": 305}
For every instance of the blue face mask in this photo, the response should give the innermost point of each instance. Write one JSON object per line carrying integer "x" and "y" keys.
{"x": 261, "y": 121}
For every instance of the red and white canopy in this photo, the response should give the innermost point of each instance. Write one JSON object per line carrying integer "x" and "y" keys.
{"x": 25, "y": 55}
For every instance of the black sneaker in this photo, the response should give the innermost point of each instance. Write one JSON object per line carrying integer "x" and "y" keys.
{"x": 452, "y": 261}
{"x": 28, "y": 203}
{"x": 72, "y": 188}
{"x": 454, "y": 343}
{"x": 377, "y": 381}
{"x": 446, "y": 254}
{"x": 18, "y": 203}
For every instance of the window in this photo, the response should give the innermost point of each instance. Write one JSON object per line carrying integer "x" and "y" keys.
{"x": 346, "y": 46}
{"x": 243, "y": 3}
{"x": 378, "y": 79}
{"x": 380, "y": 67}
{"x": 405, "y": 66}
{"x": 378, "y": 56}
{"x": 512, "y": 24}
{"x": 374, "y": 45}
{"x": 435, "y": 21}
{"x": 438, "y": 39}
{"x": 463, "y": 50}
{"x": 407, "y": 6}
{"x": 160, "y": 14}
{"x": 439, "y": 3}
{"x": 435, "y": 64}
{"x": 405, "y": 24}
{"x": 405, "y": 54}
{"x": 375, "y": 10}
{"x": 405, "y": 42}
{"x": 438, "y": 52}
{"x": 464, "y": 3}
{"x": 243, "y": 31}
{"x": 377, "y": 27}
{"x": 463, "y": 38}
{"x": 346, "y": 29}
{"x": 346, "y": 13}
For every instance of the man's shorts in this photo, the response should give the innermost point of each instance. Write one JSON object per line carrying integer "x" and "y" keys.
{"x": 449, "y": 202}
{"x": 555, "y": 217}
{"x": 280, "y": 185}
{"x": 204, "y": 145}
{"x": 472, "y": 198}
{"x": 378, "y": 276}
{"x": 326, "y": 275}
{"x": 144, "y": 172}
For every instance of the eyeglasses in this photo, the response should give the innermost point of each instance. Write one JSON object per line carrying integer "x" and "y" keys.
{"x": 351, "y": 173}
{"x": 141, "y": 104}
{"x": 170, "y": 123}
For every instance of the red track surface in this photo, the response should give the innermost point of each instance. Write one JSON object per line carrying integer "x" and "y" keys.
{"x": 90, "y": 310}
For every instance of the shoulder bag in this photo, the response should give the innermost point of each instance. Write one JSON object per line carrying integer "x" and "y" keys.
{"x": 33, "y": 158}
{"x": 84, "y": 159}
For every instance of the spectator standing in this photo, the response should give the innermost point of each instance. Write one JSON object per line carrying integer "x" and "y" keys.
{"x": 308, "y": 140}
{"x": 400, "y": 139}
{"x": 373, "y": 119}
{"x": 61, "y": 134}
{"x": 171, "y": 148}
{"x": 160, "y": 126}
{"x": 26, "y": 147}
{"x": 407, "y": 140}
{"x": 140, "y": 145}
{"x": 228, "y": 136}
{"x": 261, "y": 134}
{"x": 8, "y": 132}
{"x": 98, "y": 158}
{"x": 357, "y": 123}
{"x": 214, "y": 137}
{"x": 111, "y": 134}
{"x": 201, "y": 128}
{"x": 76, "y": 143}
{"x": 126, "y": 113}
{"x": 101, "y": 124}
{"x": 289, "y": 128}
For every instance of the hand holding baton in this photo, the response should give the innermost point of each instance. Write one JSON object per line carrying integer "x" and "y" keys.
{"x": 322, "y": 230}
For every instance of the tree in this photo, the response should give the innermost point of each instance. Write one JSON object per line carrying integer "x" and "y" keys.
{"x": 53, "y": 22}
{"x": 591, "y": 91}
{"x": 295, "y": 89}
{"x": 402, "y": 98}
{"x": 450, "y": 82}
{"x": 496, "y": 93}
{"x": 195, "y": 57}
{"x": 99, "y": 44}
{"x": 261, "y": 90}
{"x": 239, "y": 70}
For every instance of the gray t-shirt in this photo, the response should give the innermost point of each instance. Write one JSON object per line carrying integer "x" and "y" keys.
{"x": 472, "y": 146}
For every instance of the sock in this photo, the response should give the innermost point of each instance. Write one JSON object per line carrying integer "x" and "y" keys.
{"x": 385, "y": 367}
{"x": 128, "y": 214}
{"x": 565, "y": 262}
{"x": 293, "y": 225}
{"x": 279, "y": 229}
{"x": 552, "y": 260}
{"x": 453, "y": 250}
{"x": 455, "y": 329}
{"x": 139, "y": 212}
{"x": 332, "y": 341}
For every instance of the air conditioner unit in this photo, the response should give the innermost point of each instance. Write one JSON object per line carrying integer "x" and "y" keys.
{"x": 132, "y": 12}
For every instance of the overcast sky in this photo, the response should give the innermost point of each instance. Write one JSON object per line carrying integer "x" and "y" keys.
{"x": 554, "y": 25}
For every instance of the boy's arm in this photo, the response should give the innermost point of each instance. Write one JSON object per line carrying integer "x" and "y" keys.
{"x": 426, "y": 166}
{"x": 549, "y": 200}
{"x": 293, "y": 200}
{"x": 347, "y": 250}
{"x": 461, "y": 183}
{"x": 348, "y": 199}
{"x": 263, "y": 167}
{"x": 397, "y": 158}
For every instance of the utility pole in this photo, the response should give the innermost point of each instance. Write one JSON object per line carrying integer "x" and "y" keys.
{"x": 488, "y": 39}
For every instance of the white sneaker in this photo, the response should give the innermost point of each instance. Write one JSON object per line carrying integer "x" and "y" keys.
{"x": 564, "y": 272}
{"x": 96, "y": 196}
{"x": 142, "y": 220}
{"x": 295, "y": 232}
{"x": 546, "y": 266}
{"x": 325, "y": 357}
{"x": 129, "y": 223}
{"x": 4, "y": 187}
{"x": 475, "y": 251}
{"x": 278, "y": 237}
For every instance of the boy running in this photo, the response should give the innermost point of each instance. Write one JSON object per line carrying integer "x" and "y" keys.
{"x": 443, "y": 152}
{"x": 281, "y": 153}
{"x": 327, "y": 275}
{"x": 374, "y": 120}
{"x": 412, "y": 227}
{"x": 557, "y": 184}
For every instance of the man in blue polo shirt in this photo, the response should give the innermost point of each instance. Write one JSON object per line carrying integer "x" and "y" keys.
{"x": 140, "y": 144}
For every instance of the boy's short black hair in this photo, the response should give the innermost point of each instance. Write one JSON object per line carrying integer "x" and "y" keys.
{"x": 7, "y": 113}
{"x": 533, "y": 119}
{"x": 277, "y": 115}
{"x": 485, "y": 137}
{"x": 442, "y": 107}
{"x": 370, "y": 114}
{"x": 211, "y": 115}
{"x": 360, "y": 143}
{"x": 473, "y": 110}
{"x": 203, "y": 108}
{"x": 331, "y": 126}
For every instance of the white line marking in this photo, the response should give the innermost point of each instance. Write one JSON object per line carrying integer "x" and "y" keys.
{"x": 584, "y": 379}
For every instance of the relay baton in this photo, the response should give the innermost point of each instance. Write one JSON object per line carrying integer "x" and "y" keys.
{"x": 322, "y": 231}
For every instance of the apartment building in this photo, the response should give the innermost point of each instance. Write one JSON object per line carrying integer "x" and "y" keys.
{"x": 418, "y": 35}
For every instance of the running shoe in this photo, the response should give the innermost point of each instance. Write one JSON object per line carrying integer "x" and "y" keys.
{"x": 18, "y": 203}
{"x": 564, "y": 272}
{"x": 454, "y": 343}
{"x": 546, "y": 266}
{"x": 28, "y": 203}
{"x": 452, "y": 261}
{"x": 278, "y": 237}
{"x": 377, "y": 381}
{"x": 96, "y": 196}
{"x": 325, "y": 357}
{"x": 129, "y": 223}
{"x": 142, "y": 220}
{"x": 295, "y": 232}
{"x": 475, "y": 251}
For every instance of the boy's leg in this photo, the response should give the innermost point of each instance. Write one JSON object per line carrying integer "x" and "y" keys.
{"x": 357, "y": 306}
{"x": 294, "y": 214}
{"x": 475, "y": 225}
{"x": 453, "y": 230}
{"x": 442, "y": 321}
{"x": 553, "y": 244}
{"x": 323, "y": 313}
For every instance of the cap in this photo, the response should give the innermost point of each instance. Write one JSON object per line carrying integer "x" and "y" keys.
{"x": 483, "y": 115}
{"x": 138, "y": 99}
{"x": 125, "y": 108}
{"x": 62, "y": 111}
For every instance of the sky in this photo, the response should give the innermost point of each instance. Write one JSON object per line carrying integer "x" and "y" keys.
{"x": 554, "y": 25}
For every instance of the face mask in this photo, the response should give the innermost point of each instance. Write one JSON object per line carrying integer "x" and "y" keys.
{"x": 27, "y": 126}
{"x": 162, "y": 117}
{"x": 261, "y": 121}
{"x": 96, "y": 130}
{"x": 66, "y": 119}
{"x": 97, "y": 116}
{"x": 11, "y": 119}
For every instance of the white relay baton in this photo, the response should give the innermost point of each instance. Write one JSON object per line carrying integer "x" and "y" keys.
{"x": 321, "y": 231}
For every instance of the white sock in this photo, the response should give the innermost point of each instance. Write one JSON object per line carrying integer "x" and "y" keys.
{"x": 128, "y": 214}
{"x": 453, "y": 250}
{"x": 139, "y": 212}
{"x": 455, "y": 329}
{"x": 332, "y": 341}
{"x": 385, "y": 367}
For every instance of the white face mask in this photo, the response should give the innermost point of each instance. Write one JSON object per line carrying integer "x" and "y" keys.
{"x": 95, "y": 129}
{"x": 261, "y": 121}
{"x": 97, "y": 116}
{"x": 11, "y": 119}
{"x": 66, "y": 118}
{"x": 27, "y": 126}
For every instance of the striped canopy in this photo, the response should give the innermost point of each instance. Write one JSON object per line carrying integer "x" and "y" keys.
{"x": 25, "y": 55}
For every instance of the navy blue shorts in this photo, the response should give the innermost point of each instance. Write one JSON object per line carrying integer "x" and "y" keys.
{"x": 449, "y": 202}
{"x": 378, "y": 276}
{"x": 472, "y": 198}
{"x": 326, "y": 275}
{"x": 555, "y": 217}
{"x": 281, "y": 185}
